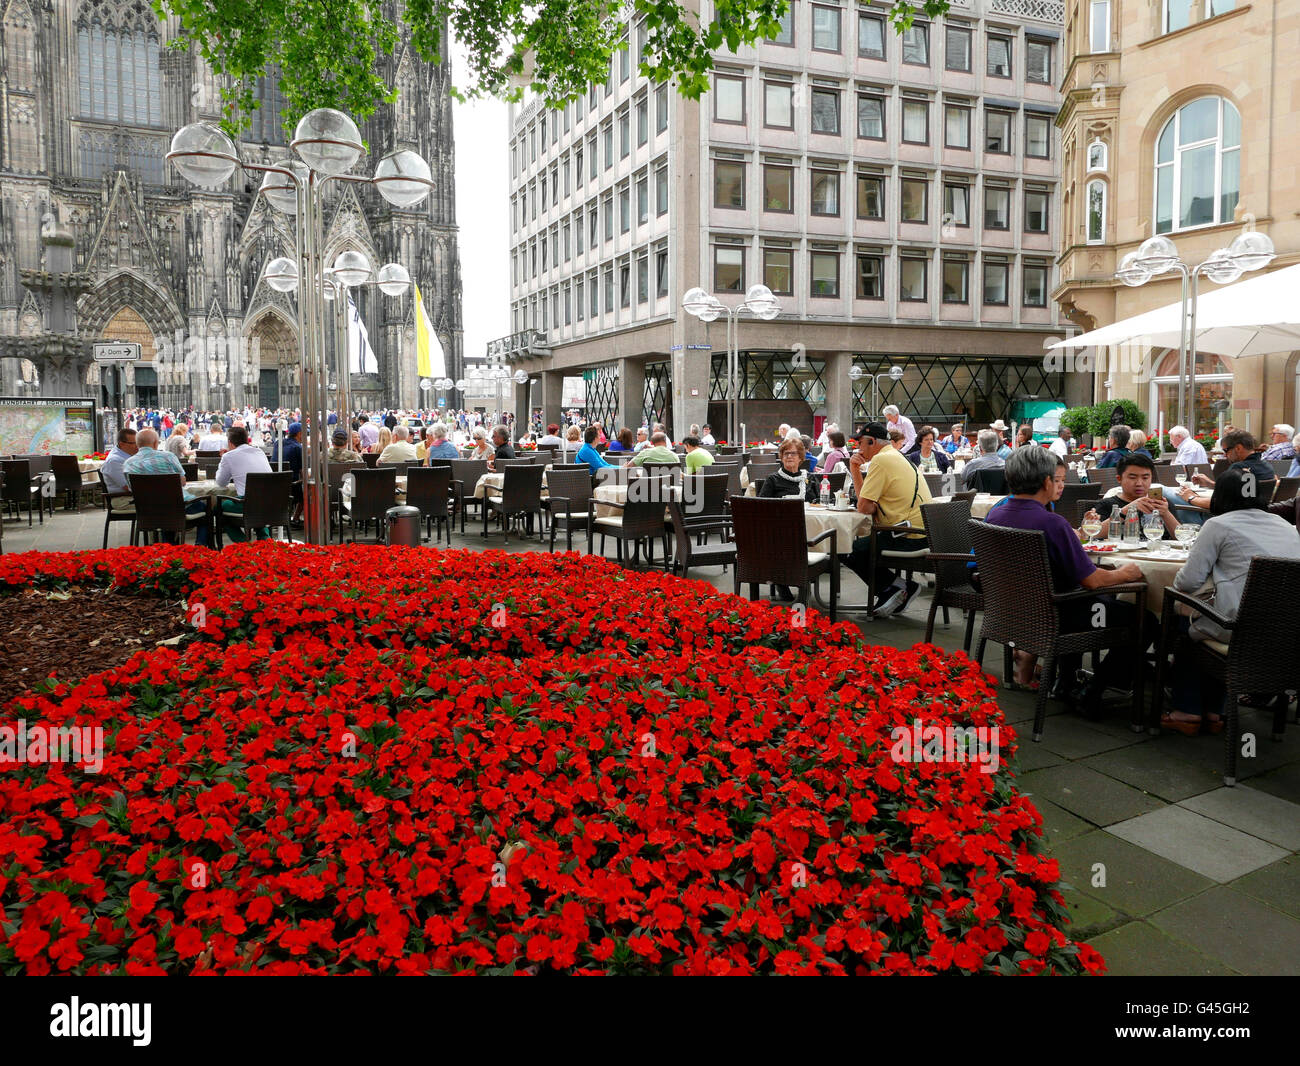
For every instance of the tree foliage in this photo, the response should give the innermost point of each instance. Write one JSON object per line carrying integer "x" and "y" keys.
{"x": 329, "y": 51}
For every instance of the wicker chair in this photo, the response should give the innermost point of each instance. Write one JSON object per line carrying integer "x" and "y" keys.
{"x": 947, "y": 526}
{"x": 688, "y": 552}
{"x": 704, "y": 504}
{"x": 191, "y": 471}
{"x": 760, "y": 472}
{"x": 465, "y": 474}
{"x": 1249, "y": 664}
{"x": 990, "y": 480}
{"x": 639, "y": 519}
{"x": 1103, "y": 479}
{"x": 1280, "y": 466}
{"x": 22, "y": 488}
{"x": 371, "y": 459}
{"x": 521, "y": 494}
{"x": 428, "y": 489}
{"x": 1070, "y": 496}
{"x": 571, "y": 466}
{"x": 67, "y": 480}
{"x": 121, "y": 514}
{"x": 1286, "y": 489}
{"x": 569, "y": 502}
{"x": 772, "y": 548}
{"x": 935, "y": 483}
{"x": 1081, "y": 507}
{"x": 160, "y": 506}
{"x": 268, "y": 504}
{"x": 1020, "y": 610}
{"x": 374, "y": 491}
{"x": 207, "y": 464}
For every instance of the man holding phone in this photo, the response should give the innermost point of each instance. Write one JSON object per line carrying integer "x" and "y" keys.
{"x": 1137, "y": 491}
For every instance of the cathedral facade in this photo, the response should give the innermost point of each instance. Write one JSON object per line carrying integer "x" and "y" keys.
{"x": 90, "y": 96}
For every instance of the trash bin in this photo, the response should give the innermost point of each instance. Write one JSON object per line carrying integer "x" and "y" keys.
{"x": 403, "y": 524}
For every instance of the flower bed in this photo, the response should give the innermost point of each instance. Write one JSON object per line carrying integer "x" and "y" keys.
{"x": 401, "y": 760}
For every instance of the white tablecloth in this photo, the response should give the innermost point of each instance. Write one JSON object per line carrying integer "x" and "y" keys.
{"x": 607, "y": 494}
{"x": 1159, "y": 571}
{"x": 209, "y": 487}
{"x": 496, "y": 482}
{"x": 847, "y": 526}
{"x": 979, "y": 507}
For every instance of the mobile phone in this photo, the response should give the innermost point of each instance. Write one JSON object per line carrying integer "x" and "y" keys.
{"x": 1156, "y": 492}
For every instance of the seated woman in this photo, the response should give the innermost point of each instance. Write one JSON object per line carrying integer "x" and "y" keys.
{"x": 1240, "y": 527}
{"x": 623, "y": 442}
{"x": 572, "y": 443}
{"x": 926, "y": 456}
{"x": 792, "y": 479}
{"x": 482, "y": 446}
{"x": 838, "y": 453}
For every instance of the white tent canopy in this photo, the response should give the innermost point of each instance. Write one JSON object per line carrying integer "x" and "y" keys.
{"x": 1254, "y": 317}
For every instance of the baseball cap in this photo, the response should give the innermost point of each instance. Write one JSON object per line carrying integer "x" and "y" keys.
{"x": 295, "y": 427}
{"x": 340, "y": 436}
{"x": 878, "y": 430}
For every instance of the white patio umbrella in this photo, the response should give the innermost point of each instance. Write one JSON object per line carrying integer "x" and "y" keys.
{"x": 1254, "y": 317}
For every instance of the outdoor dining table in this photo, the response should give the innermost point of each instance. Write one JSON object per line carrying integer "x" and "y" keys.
{"x": 983, "y": 503}
{"x": 612, "y": 493}
{"x": 848, "y": 524}
{"x": 204, "y": 487}
{"x": 1159, "y": 564}
{"x": 496, "y": 482}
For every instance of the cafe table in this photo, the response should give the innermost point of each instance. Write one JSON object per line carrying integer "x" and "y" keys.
{"x": 847, "y": 522}
{"x": 1160, "y": 564}
{"x": 983, "y": 503}
{"x": 496, "y": 482}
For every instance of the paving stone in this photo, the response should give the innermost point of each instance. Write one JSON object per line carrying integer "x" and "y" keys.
{"x": 1243, "y": 933}
{"x": 1211, "y": 848}
{"x": 1139, "y": 949}
{"x": 1088, "y": 915}
{"x": 1257, "y": 813}
{"x": 1031, "y": 756}
{"x": 1059, "y": 824}
{"x": 1073, "y": 738}
{"x": 1150, "y": 767}
{"x": 1085, "y": 792}
{"x": 1283, "y": 782}
{"x": 1136, "y": 881}
{"x": 1278, "y": 885}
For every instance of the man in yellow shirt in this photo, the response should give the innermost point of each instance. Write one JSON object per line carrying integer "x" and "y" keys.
{"x": 891, "y": 491}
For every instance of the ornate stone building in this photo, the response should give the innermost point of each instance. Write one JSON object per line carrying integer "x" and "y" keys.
{"x": 90, "y": 95}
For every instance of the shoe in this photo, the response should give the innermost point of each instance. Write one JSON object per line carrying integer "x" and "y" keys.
{"x": 911, "y": 588}
{"x": 896, "y": 599}
{"x": 1173, "y": 725}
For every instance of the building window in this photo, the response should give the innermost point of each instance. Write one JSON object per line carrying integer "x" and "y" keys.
{"x": 995, "y": 284}
{"x": 778, "y": 270}
{"x": 642, "y": 122}
{"x": 1096, "y": 207}
{"x": 593, "y": 294}
{"x": 778, "y": 189}
{"x": 825, "y": 192}
{"x": 661, "y": 272}
{"x": 609, "y": 291}
{"x": 577, "y": 166}
{"x": 625, "y": 286}
{"x": 609, "y": 218}
{"x": 956, "y": 278}
{"x": 826, "y": 28}
{"x": 871, "y": 196}
{"x": 624, "y": 135}
{"x": 577, "y": 233}
{"x": 956, "y": 205}
{"x": 911, "y": 280}
{"x": 1177, "y": 15}
{"x": 642, "y": 201}
{"x": 916, "y": 122}
{"x": 120, "y": 72}
{"x": 785, "y": 35}
{"x": 871, "y": 117}
{"x": 565, "y": 242}
{"x": 579, "y": 298}
{"x": 777, "y": 109}
{"x": 609, "y": 144}
{"x": 642, "y": 280}
{"x": 956, "y": 126}
{"x": 1198, "y": 165}
{"x": 591, "y": 157}
{"x": 728, "y": 184}
{"x": 871, "y": 36}
{"x": 1034, "y": 287}
{"x": 913, "y": 199}
{"x": 728, "y": 99}
{"x": 999, "y": 57}
{"x": 268, "y": 120}
{"x": 916, "y": 45}
{"x": 661, "y": 191}
{"x": 728, "y": 269}
{"x": 661, "y": 109}
{"x": 1038, "y": 61}
{"x": 1038, "y": 132}
{"x": 956, "y": 53}
{"x": 871, "y": 272}
{"x": 624, "y": 60}
{"x": 624, "y": 211}
{"x": 1036, "y": 203}
{"x": 824, "y": 272}
{"x": 997, "y": 132}
{"x": 825, "y": 111}
{"x": 997, "y": 208}
{"x": 1099, "y": 26}
{"x": 592, "y": 226}
{"x": 568, "y": 312}
{"x": 1097, "y": 156}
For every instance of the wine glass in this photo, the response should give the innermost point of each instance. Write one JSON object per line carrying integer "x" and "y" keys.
{"x": 1153, "y": 528}
{"x": 1091, "y": 527}
{"x": 1181, "y": 478}
{"x": 1185, "y": 534}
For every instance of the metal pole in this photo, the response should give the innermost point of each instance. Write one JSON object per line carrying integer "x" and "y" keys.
{"x": 1182, "y": 355}
{"x": 1191, "y": 352}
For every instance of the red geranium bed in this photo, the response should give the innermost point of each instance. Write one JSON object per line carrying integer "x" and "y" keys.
{"x": 372, "y": 760}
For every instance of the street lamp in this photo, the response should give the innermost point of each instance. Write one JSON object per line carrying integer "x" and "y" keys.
{"x": 1157, "y": 255}
{"x": 856, "y": 374}
{"x": 758, "y": 302}
{"x": 328, "y": 145}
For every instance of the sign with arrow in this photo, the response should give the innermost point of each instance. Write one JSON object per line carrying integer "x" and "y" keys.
{"x": 109, "y": 354}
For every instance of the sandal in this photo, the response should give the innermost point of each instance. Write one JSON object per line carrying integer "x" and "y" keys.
{"x": 1175, "y": 725}
{"x": 1213, "y": 726}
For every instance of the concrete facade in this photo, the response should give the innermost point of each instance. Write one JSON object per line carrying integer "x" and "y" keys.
{"x": 858, "y": 173}
{"x": 1129, "y": 76}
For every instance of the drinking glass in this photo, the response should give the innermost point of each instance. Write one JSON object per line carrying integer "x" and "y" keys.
{"x": 1153, "y": 528}
{"x": 1092, "y": 526}
{"x": 1185, "y": 534}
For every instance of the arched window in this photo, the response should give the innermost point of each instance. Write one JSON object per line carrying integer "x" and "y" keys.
{"x": 267, "y": 126}
{"x": 408, "y": 97}
{"x": 20, "y": 47}
{"x": 1097, "y": 156}
{"x": 1198, "y": 165}
{"x": 118, "y": 61}
{"x": 1213, "y": 394}
{"x": 1096, "y": 212}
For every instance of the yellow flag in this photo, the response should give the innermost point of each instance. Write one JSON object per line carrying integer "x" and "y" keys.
{"x": 430, "y": 362}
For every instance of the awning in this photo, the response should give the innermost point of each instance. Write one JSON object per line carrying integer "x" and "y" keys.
{"x": 1254, "y": 317}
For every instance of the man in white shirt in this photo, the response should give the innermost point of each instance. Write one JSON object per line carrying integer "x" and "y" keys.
{"x": 895, "y": 420}
{"x": 551, "y": 439}
{"x": 241, "y": 460}
{"x": 707, "y": 440}
{"x": 215, "y": 440}
{"x": 1190, "y": 450}
{"x": 401, "y": 450}
{"x": 1061, "y": 446}
{"x": 642, "y": 440}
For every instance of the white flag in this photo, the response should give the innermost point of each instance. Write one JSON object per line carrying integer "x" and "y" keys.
{"x": 361, "y": 357}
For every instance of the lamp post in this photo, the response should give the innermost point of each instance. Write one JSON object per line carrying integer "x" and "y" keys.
{"x": 856, "y": 373}
{"x": 1157, "y": 255}
{"x": 758, "y": 302}
{"x": 327, "y": 144}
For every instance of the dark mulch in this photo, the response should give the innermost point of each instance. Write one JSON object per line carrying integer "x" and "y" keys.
{"x": 69, "y": 638}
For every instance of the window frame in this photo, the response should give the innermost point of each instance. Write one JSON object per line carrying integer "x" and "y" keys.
{"x": 1025, "y": 268}
{"x": 1046, "y": 212}
{"x": 863, "y": 17}
{"x": 903, "y": 182}
{"x": 879, "y": 179}
{"x": 879, "y": 260}
{"x": 903, "y": 260}
{"x": 943, "y": 280}
{"x": 1045, "y": 44}
{"x": 718, "y": 164}
{"x": 1005, "y": 269}
{"x": 988, "y": 111}
{"x": 789, "y": 170}
{"x": 813, "y": 174}
{"x": 948, "y": 211}
{"x": 963, "y": 31}
{"x": 813, "y": 255}
{"x": 822, "y": 90}
{"x": 839, "y": 28}
{"x": 922, "y": 28}
{"x": 1093, "y": 6}
{"x": 789, "y": 87}
{"x": 719, "y": 248}
{"x": 903, "y": 105}
{"x": 789, "y": 267}
{"x": 1005, "y": 190}
{"x": 739, "y": 79}
{"x": 1031, "y": 116}
{"x": 1087, "y": 211}
{"x": 947, "y": 107}
{"x": 988, "y": 56}
{"x": 1175, "y": 165}
{"x": 864, "y": 97}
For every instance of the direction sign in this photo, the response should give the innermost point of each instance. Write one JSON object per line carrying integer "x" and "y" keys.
{"x": 117, "y": 353}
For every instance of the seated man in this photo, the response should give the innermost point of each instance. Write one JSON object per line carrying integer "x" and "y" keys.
{"x": 435, "y": 445}
{"x": 706, "y": 437}
{"x": 658, "y": 452}
{"x": 1030, "y": 476}
{"x": 215, "y": 441}
{"x": 988, "y": 458}
{"x": 240, "y": 460}
{"x": 696, "y": 457}
{"x": 501, "y": 446}
{"x": 954, "y": 440}
{"x": 114, "y": 478}
{"x": 291, "y": 454}
{"x": 1241, "y": 449}
{"x": 339, "y": 451}
{"x": 1188, "y": 449}
{"x": 552, "y": 438}
{"x": 587, "y": 453}
{"x": 892, "y": 491}
{"x": 149, "y": 460}
{"x": 1136, "y": 474}
{"x": 1116, "y": 446}
{"x": 1281, "y": 446}
{"x": 642, "y": 440}
{"x": 1063, "y": 444}
{"x": 401, "y": 450}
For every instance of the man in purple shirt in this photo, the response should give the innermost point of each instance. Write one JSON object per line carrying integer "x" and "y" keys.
{"x": 1029, "y": 473}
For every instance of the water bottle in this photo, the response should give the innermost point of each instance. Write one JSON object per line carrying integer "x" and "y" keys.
{"x": 1132, "y": 525}
{"x": 826, "y": 492}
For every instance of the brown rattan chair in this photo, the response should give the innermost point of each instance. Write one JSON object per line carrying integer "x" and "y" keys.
{"x": 1104, "y": 479}
{"x": 1249, "y": 664}
{"x": 569, "y": 502}
{"x": 772, "y": 548}
{"x": 641, "y": 518}
{"x": 160, "y": 506}
{"x": 374, "y": 491}
{"x": 990, "y": 480}
{"x": 947, "y": 527}
{"x": 67, "y": 480}
{"x": 267, "y": 503}
{"x": 1020, "y": 610}
{"x": 125, "y": 513}
{"x": 207, "y": 463}
{"x": 759, "y": 472}
{"x": 704, "y": 504}
{"x": 1081, "y": 507}
{"x": 1280, "y": 466}
{"x": 22, "y": 488}
{"x": 935, "y": 482}
{"x": 1286, "y": 489}
{"x": 428, "y": 488}
{"x": 1070, "y": 496}
{"x": 520, "y": 495}
{"x": 191, "y": 471}
{"x": 465, "y": 474}
{"x": 688, "y": 553}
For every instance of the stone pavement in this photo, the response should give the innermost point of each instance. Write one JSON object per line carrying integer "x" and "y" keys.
{"x": 1167, "y": 871}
